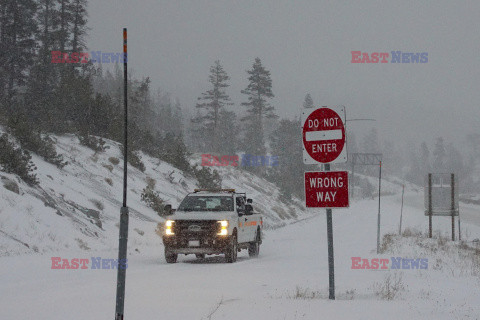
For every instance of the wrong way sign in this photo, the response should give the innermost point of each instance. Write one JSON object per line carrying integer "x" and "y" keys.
{"x": 326, "y": 189}
{"x": 324, "y": 137}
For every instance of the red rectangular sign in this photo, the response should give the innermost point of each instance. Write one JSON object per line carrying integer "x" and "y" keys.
{"x": 326, "y": 189}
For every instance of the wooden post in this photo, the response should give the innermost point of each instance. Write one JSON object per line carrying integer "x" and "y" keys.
{"x": 452, "y": 184}
{"x": 401, "y": 212}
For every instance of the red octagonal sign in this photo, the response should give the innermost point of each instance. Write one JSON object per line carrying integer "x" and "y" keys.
{"x": 324, "y": 136}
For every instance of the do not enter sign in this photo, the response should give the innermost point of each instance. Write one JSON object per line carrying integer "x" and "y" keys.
{"x": 324, "y": 136}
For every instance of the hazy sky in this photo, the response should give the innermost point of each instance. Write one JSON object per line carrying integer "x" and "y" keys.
{"x": 307, "y": 47}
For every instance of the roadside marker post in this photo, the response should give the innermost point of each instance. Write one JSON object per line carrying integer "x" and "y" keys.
{"x": 123, "y": 233}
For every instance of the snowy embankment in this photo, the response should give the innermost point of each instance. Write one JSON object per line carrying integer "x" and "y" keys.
{"x": 77, "y": 208}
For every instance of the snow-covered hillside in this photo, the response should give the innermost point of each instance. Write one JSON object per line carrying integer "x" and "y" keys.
{"x": 77, "y": 207}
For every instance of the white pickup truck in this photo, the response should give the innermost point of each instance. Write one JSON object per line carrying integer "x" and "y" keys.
{"x": 212, "y": 222}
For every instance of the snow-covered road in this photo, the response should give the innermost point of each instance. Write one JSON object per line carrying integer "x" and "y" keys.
{"x": 292, "y": 260}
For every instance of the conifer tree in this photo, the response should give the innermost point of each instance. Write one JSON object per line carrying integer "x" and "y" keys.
{"x": 308, "y": 103}
{"x": 17, "y": 46}
{"x": 258, "y": 91}
{"x": 213, "y": 102}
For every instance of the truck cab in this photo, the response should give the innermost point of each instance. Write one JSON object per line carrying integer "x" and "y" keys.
{"x": 210, "y": 221}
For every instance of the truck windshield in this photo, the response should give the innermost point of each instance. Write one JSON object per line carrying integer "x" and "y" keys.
{"x": 206, "y": 203}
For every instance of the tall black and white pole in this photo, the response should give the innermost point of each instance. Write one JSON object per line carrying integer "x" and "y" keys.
{"x": 122, "y": 243}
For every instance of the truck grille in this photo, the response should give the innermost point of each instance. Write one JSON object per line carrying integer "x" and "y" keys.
{"x": 195, "y": 228}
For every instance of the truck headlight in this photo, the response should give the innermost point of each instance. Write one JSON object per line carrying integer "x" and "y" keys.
{"x": 169, "y": 227}
{"x": 223, "y": 228}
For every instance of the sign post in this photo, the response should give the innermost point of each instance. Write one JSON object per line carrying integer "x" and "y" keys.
{"x": 441, "y": 198}
{"x": 323, "y": 134}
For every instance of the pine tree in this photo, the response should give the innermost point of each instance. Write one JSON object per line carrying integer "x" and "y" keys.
{"x": 414, "y": 173}
{"x": 370, "y": 142}
{"x": 213, "y": 102}
{"x": 454, "y": 161}
{"x": 79, "y": 24}
{"x": 439, "y": 154}
{"x": 17, "y": 161}
{"x": 207, "y": 178}
{"x": 286, "y": 146}
{"x": 424, "y": 159}
{"x": 17, "y": 46}
{"x": 43, "y": 78}
{"x": 228, "y": 131}
{"x": 308, "y": 103}
{"x": 258, "y": 91}
{"x": 198, "y": 134}
{"x": 175, "y": 152}
{"x": 64, "y": 19}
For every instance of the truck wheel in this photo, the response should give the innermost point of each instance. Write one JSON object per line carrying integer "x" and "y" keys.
{"x": 231, "y": 253}
{"x": 254, "y": 247}
{"x": 170, "y": 257}
{"x": 200, "y": 256}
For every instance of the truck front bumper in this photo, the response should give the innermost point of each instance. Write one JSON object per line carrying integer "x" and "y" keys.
{"x": 195, "y": 244}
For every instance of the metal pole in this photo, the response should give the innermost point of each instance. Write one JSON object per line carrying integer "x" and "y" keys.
{"x": 429, "y": 205}
{"x": 401, "y": 212}
{"x": 122, "y": 245}
{"x": 452, "y": 183}
{"x": 378, "y": 218}
{"x": 353, "y": 176}
{"x": 331, "y": 265}
{"x": 459, "y": 230}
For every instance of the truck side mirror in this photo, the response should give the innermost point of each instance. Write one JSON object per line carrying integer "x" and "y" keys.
{"x": 240, "y": 211}
{"x": 167, "y": 210}
{"x": 248, "y": 209}
{"x": 249, "y": 200}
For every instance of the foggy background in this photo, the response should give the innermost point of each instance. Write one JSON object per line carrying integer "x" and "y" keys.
{"x": 307, "y": 47}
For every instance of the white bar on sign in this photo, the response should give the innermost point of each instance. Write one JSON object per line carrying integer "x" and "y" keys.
{"x": 323, "y": 135}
